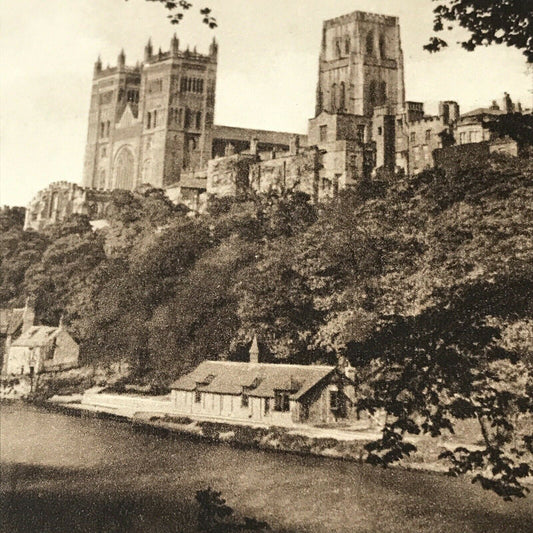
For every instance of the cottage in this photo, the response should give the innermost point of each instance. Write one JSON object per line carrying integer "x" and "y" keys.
{"x": 277, "y": 394}
{"x": 13, "y": 322}
{"x": 42, "y": 349}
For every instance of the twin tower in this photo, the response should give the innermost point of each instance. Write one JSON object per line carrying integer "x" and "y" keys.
{"x": 152, "y": 122}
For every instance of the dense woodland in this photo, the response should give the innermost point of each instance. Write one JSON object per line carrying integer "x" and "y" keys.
{"x": 424, "y": 284}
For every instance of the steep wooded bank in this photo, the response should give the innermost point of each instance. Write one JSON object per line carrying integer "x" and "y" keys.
{"x": 425, "y": 285}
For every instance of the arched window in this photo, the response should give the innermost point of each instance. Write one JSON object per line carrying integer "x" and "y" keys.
{"x": 123, "y": 169}
{"x": 370, "y": 43}
{"x": 342, "y": 96}
{"x": 333, "y": 105}
{"x": 382, "y": 47}
{"x": 382, "y": 96}
{"x": 372, "y": 95}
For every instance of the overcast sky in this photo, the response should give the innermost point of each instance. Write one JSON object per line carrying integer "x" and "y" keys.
{"x": 267, "y": 70}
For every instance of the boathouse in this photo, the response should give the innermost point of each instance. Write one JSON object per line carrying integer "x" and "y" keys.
{"x": 277, "y": 394}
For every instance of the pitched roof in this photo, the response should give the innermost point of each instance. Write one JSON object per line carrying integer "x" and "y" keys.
{"x": 10, "y": 320}
{"x": 483, "y": 111}
{"x": 261, "y": 379}
{"x": 36, "y": 336}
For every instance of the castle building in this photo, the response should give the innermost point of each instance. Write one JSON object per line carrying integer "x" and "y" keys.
{"x": 153, "y": 123}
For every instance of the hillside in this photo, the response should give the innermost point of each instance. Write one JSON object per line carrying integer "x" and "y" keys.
{"x": 424, "y": 284}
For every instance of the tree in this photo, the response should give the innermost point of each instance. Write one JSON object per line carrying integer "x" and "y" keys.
{"x": 507, "y": 22}
{"x": 177, "y": 9}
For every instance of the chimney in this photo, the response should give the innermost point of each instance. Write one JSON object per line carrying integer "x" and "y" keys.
{"x": 254, "y": 351}
{"x": 294, "y": 145}
{"x": 254, "y": 146}
{"x": 28, "y": 316}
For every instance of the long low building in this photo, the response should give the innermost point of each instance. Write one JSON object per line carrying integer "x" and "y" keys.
{"x": 274, "y": 394}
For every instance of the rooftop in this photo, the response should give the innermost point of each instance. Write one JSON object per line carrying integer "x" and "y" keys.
{"x": 259, "y": 379}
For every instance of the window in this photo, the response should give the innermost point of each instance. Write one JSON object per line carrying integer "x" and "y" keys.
{"x": 382, "y": 49}
{"x": 347, "y": 45}
{"x": 267, "y": 406}
{"x": 323, "y": 133}
{"x": 380, "y": 130}
{"x": 361, "y": 133}
{"x": 372, "y": 94}
{"x": 245, "y": 401}
{"x": 382, "y": 97}
{"x": 281, "y": 401}
{"x": 370, "y": 44}
{"x": 198, "y": 120}
{"x": 148, "y": 120}
{"x": 102, "y": 129}
{"x": 334, "y": 98}
{"x": 155, "y": 119}
{"x": 338, "y": 48}
{"x": 187, "y": 118}
{"x": 103, "y": 151}
{"x": 342, "y": 96}
{"x": 334, "y": 400}
{"x": 413, "y": 137}
{"x": 133, "y": 96}
{"x": 428, "y": 135}
{"x": 399, "y": 123}
{"x": 197, "y": 396}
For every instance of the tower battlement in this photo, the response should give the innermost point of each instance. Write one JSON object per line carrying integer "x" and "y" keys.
{"x": 362, "y": 16}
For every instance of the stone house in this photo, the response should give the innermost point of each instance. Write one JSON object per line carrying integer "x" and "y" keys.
{"x": 42, "y": 349}
{"x": 13, "y": 322}
{"x": 274, "y": 394}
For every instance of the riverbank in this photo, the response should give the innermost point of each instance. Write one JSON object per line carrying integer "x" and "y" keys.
{"x": 86, "y": 474}
{"x": 331, "y": 442}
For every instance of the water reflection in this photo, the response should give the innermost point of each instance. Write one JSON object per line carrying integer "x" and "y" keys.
{"x": 63, "y": 473}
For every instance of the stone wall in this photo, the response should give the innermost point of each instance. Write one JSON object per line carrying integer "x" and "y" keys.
{"x": 296, "y": 172}
{"x": 62, "y": 199}
{"x": 229, "y": 176}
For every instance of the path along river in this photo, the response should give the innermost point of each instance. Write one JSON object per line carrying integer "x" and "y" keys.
{"x": 62, "y": 473}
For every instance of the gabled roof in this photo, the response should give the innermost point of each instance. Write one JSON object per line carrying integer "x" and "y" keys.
{"x": 37, "y": 336}
{"x": 10, "y": 320}
{"x": 260, "y": 379}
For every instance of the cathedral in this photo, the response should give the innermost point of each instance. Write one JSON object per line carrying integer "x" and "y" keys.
{"x": 153, "y": 124}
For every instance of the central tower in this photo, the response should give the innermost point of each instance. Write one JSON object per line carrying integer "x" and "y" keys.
{"x": 360, "y": 64}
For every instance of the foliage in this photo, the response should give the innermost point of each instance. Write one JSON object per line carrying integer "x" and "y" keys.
{"x": 213, "y": 515}
{"x": 178, "y": 8}
{"x": 19, "y": 250}
{"x": 423, "y": 285}
{"x": 507, "y": 22}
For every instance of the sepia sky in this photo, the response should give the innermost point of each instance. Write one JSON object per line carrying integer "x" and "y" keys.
{"x": 267, "y": 70}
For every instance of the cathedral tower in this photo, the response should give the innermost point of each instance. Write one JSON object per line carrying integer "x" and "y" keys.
{"x": 360, "y": 65}
{"x": 150, "y": 122}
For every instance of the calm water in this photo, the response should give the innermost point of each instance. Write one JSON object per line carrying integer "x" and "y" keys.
{"x": 62, "y": 473}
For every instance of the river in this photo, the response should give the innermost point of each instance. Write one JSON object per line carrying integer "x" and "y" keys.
{"x": 62, "y": 473}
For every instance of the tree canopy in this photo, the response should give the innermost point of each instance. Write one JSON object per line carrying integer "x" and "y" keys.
{"x": 422, "y": 284}
{"x": 507, "y": 22}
